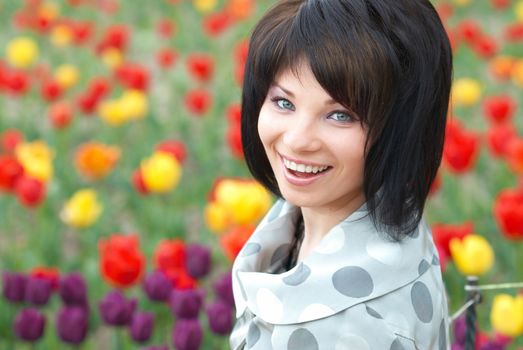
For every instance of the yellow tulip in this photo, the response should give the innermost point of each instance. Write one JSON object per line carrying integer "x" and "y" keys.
{"x": 134, "y": 104}
{"x": 506, "y": 315}
{"x": 112, "y": 112}
{"x": 161, "y": 172}
{"x": 245, "y": 201}
{"x": 462, "y": 2}
{"x": 204, "y": 6}
{"x": 466, "y": 92}
{"x": 49, "y": 10}
{"x": 61, "y": 35}
{"x": 517, "y": 73}
{"x": 216, "y": 217}
{"x": 82, "y": 210}
{"x": 36, "y": 159}
{"x": 22, "y": 52}
{"x": 112, "y": 57}
{"x": 473, "y": 254}
{"x": 67, "y": 75}
{"x": 518, "y": 9}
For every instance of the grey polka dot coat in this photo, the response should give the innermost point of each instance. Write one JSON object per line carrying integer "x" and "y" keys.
{"x": 356, "y": 290}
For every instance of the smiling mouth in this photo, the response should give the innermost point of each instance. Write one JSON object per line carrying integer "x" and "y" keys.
{"x": 304, "y": 170}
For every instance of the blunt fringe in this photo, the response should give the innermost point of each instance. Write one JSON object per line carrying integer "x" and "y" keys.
{"x": 390, "y": 62}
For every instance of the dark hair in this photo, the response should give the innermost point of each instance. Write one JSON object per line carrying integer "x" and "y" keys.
{"x": 389, "y": 62}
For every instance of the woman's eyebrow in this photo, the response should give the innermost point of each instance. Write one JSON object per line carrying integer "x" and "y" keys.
{"x": 288, "y": 92}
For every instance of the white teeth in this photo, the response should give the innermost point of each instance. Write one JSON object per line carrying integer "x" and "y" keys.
{"x": 302, "y": 168}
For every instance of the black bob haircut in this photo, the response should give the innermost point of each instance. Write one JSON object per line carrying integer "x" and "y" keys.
{"x": 388, "y": 61}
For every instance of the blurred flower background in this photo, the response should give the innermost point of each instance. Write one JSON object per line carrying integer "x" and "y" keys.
{"x": 124, "y": 196}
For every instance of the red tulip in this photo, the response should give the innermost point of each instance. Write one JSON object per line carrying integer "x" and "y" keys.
{"x": 444, "y": 233}
{"x": 99, "y": 87}
{"x": 436, "y": 184}
{"x": 445, "y": 10}
{"x": 234, "y": 139}
{"x": 10, "y": 172}
{"x": 51, "y": 90}
{"x": 133, "y": 76}
{"x": 500, "y": 4}
{"x": 461, "y": 147}
{"x": 514, "y": 32}
{"x": 81, "y": 31}
{"x": 233, "y": 241}
{"x": 30, "y": 191}
{"x": 87, "y": 103}
{"x": 60, "y": 114}
{"x": 138, "y": 182}
{"x": 166, "y": 57}
{"x": 174, "y": 147}
{"x": 165, "y": 28}
{"x": 116, "y": 36}
{"x": 200, "y": 66}
{"x": 499, "y": 108}
{"x": 241, "y": 51}
{"x": 52, "y": 274}
{"x": 16, "y": 81}
{"x": 9, "y": 139}
{"x": 508, "y": 212}
{"x": 198, "y": 101}
{"x": 121, "y": 262}
{"x": 499, "y": 137}
{"x": 485, "y": 46}
{"x": 469, "y": 31}
{"x": 169, "y": 254}
{"x": 234, "y": 113}
{"x": 216, "y": 23}
{"x": 515, "y": 155}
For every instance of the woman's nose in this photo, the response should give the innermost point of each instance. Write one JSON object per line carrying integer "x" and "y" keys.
{"x": 301, "y": 136}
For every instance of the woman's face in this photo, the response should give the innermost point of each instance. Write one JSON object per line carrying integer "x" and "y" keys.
{"x": 315, "y": 145}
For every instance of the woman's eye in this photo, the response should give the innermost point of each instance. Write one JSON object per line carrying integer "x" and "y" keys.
{"x": 341, "y": 117}
{"x": 284, "y": 104}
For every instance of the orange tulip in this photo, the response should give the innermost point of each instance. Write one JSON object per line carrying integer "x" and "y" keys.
{"x": 95, "y": 160}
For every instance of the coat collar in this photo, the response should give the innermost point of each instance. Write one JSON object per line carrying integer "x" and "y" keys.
{"x": 353, "y": 263}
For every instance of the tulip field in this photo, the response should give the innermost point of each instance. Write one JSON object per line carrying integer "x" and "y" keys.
{"x": 124, "y": 196}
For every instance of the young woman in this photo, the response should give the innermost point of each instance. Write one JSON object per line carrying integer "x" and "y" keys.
{"x": 343, "y": 117}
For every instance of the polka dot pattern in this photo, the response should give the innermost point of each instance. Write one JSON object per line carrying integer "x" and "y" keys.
{"x": 275, "y": 211}
{"x": 299, "y": 276}
{"x": 373, "y": 312}
{"x": 332, "y": 243}
{"x": 396, "y": 345}
{"x": 314, "y": 312}
{"x": 253, "y": 335}
{"x": 353, "y": 281}
{"x": 251, "y": 249}
{"x": 422, "y": 302}
{"x": 354, "y": 272}
{"x": 423, "y": 267}
{"x": 352, "y": 341}
{"x": 435, "y": 260}
{"x": 302, "y": 339}
{"x": 388, "y": 253}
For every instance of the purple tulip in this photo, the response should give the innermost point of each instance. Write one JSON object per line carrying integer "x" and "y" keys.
{"x": 14, "y": 286}
{"x": 73, "y": 290}
{"x": 456, "y": 346}
{"x": 187, "y": 334}
{"x": 72, "y": 323}
{"x": 142, "y": 326}
{"x": 29, "y": 324}
{"x": 38, "y": 290}
{"x": 460, "y": 328}
{"x": 116, "y": 310}
{"x": 494, "y": 344}
{"x": 220, "y": 317}
{"x": 156, "y": 347}
{"x": 186, "y": 303}
{"x": 157, "y": 286}
{"x": 198, "y": 260}
{"x": 223, "y": 288}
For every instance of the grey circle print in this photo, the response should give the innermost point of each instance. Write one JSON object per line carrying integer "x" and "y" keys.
{"x": 422, "y": 302}
{"x": 423, "y": 267}
{"x": 353, "y": 281}
{"x": 251, "y": 248}
{"x": 275, "y": 212}
{"x": 299, "y": 276}
{"x": 302, "y": 339}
